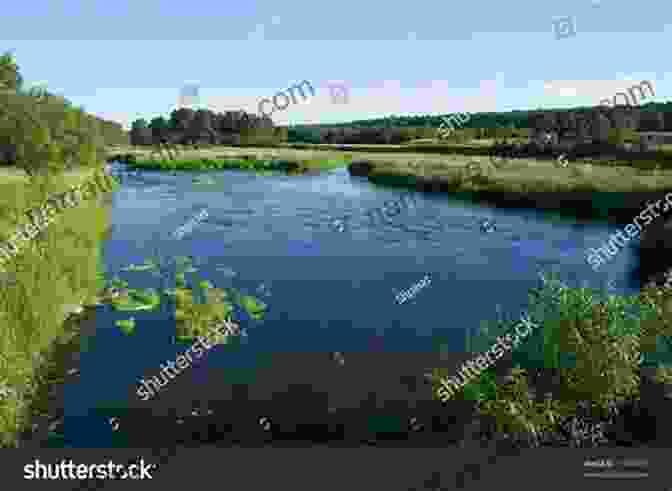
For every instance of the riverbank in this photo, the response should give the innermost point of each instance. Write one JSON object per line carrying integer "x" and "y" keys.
{"x": 55, "y": 276}
{"x": 221, "y": 157}
{"x": 613, "y": 194}
{"x": 608, "y": 193}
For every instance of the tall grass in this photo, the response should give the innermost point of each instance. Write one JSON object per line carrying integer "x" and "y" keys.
{"x": 58, "y": 268}
{"x": 596, "y": 343}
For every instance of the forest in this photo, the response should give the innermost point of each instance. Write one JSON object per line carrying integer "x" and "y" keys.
{"x": 41, "y": 131}
{"x": 186, "y": 126}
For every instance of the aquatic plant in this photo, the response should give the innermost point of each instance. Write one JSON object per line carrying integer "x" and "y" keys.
{"x": 254, "y": 308}
{"x": 597, "y": 347}
{"x": 146, "y": 266}
{"x": 127, "y": 326}
{"x": 137, "y": 299}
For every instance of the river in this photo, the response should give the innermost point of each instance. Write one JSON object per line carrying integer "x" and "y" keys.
{"x": 328, "y": 289}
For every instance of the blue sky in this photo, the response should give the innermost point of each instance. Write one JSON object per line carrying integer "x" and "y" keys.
{"x": 123, "y": 60}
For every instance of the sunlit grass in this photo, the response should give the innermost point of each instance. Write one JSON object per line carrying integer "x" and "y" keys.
{"x": 57, "y": 268}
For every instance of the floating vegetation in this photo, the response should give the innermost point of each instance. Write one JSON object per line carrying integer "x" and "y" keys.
{"x": 146, "y": 266}
{"x": 118, "y": 283}
{"x": 192, "y": 319}
{"x": 255, "y": 308}
{"x": 127, "y": 326}
{"x": 137, "y": 299}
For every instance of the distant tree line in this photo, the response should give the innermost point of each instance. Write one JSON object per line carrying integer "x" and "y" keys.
{"x": 42, "y": 132}
{"x": 652, "y": 116}
{"x": 191, "y": 127}
{"x": 358, "y": 135}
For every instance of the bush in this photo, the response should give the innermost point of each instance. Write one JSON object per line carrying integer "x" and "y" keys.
{"x": 596, "y": 346}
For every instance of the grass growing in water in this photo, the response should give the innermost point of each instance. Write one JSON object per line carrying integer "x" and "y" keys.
{"x": 263, "y": 165}
{"x": 219, "y": 164}
{"x": 597, "y": 346}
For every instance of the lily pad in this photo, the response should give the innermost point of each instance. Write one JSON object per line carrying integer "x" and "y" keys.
{"x": 137, "y": 299}
{"x": 118, "y": 283}
{"x": 127, "y": 326}
{"x": 195, "y": 319}
{"x": 254, "y": 307}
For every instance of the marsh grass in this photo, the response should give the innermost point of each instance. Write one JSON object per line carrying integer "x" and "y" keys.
{"x": 596, "y": 343}
{"x": 412, "y": 163}
{"x": 218, "y": 157}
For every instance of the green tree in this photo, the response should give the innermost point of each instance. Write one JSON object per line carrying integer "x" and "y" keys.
{"x": 10, "y": 78}
{"x": 141, "y": 134}
{"x": 159, "y": 127}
